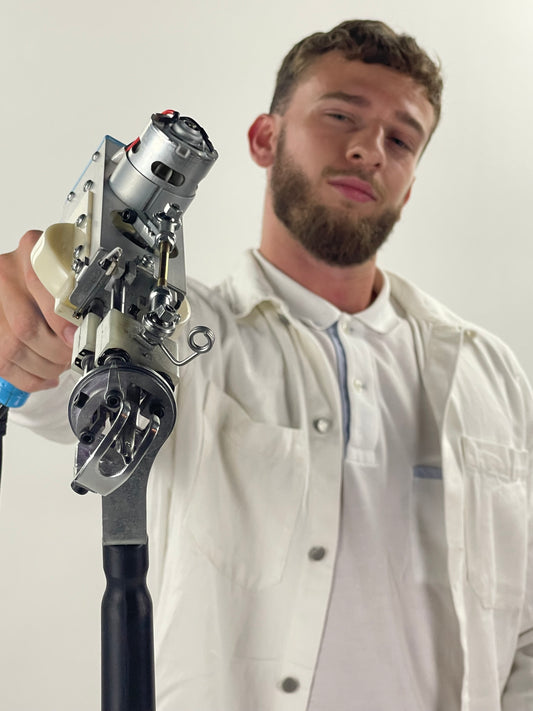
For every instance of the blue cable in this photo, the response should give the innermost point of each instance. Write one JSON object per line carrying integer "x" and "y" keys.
{"x": 10, "y": 396}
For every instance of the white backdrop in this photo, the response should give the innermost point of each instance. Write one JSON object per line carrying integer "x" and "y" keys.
{"x": 72, "y": 72}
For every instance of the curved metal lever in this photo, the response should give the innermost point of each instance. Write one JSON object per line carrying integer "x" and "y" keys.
{"x": 198, "y": 348}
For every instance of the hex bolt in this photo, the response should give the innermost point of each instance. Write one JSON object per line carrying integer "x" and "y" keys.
{"x": 129, "y": 216}
{"x": 147, "y": 261}
{"x": 113, "y": 399}
{"x": 87, "y": 437}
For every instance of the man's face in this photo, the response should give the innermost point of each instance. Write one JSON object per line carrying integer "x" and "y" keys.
{"x": 346, "y": 152}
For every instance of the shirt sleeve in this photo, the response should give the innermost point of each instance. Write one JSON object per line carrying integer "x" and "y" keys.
{"x": 518, "y": 691}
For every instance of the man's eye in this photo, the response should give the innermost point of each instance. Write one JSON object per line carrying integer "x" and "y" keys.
{"x": 338, "y": 117}
{"x": 400, "y": 144}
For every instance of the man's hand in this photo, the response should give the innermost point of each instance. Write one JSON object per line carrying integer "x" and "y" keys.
{"x": 35, "y": 343}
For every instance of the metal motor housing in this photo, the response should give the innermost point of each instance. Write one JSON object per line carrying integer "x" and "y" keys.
{"x": 164, "y": 165}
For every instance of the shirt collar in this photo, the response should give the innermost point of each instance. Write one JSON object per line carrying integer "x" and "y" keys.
{"x": 260, "y": 281}
{"x": 248, "y": 287}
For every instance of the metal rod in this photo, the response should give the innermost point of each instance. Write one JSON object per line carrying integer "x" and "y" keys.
{"x": 164, "y": 257}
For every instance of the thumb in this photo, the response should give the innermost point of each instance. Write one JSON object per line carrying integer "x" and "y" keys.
{"x": 68, "y": 334}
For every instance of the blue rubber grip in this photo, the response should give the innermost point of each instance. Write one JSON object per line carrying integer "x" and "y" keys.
{"x": 10, "y": 396}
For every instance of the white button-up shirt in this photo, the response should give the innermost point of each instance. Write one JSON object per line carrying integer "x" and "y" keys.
{"x": 245, "y": 504}
{"x": 390, "y": 589}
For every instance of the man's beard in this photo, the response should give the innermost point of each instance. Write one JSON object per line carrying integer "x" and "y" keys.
{"x": 333, "y": 235}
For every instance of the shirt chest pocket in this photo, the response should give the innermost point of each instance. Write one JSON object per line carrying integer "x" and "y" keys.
{"x": 247, "y": 493}
{"x": 496, "y": 516}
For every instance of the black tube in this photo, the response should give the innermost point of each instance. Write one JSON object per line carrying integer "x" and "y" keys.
{"x": 127, "y": 631}
{"x": 3, "y": 426}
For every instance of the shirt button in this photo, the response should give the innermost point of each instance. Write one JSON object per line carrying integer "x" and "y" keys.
{"x": 358, "y": 385}
{"x": 322, "y": 425}
{"x": 317, "y": 553}
{"x": 290, "y": 684}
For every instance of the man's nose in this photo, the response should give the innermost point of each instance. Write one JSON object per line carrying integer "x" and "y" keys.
{"x": 367, "y": 148}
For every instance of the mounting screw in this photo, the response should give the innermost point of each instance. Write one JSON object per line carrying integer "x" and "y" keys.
{"x": 113, "y": 399}
{"x": 129, "y": 216}
{"x": 147, "y": 261}
{"x": 87, "y": 437}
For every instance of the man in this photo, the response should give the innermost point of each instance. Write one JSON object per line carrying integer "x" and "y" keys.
{"x": 342, "y": 519}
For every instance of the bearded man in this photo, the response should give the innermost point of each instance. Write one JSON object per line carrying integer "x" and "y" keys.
{"x": 342, "y": 519}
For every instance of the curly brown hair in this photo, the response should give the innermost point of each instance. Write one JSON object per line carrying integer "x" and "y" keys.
{"x": 369, "y": 41}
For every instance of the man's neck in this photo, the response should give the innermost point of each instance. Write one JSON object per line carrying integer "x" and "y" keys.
{"x": 351, "y": 289}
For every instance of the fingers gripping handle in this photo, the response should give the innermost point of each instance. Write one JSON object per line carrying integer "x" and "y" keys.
{"x": 50, "y": 259}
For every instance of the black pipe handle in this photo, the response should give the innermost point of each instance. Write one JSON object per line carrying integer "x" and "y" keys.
{"x": 127, "y": 631}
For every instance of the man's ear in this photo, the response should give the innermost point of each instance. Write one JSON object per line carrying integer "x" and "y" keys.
{"x": 262, "y": 137}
